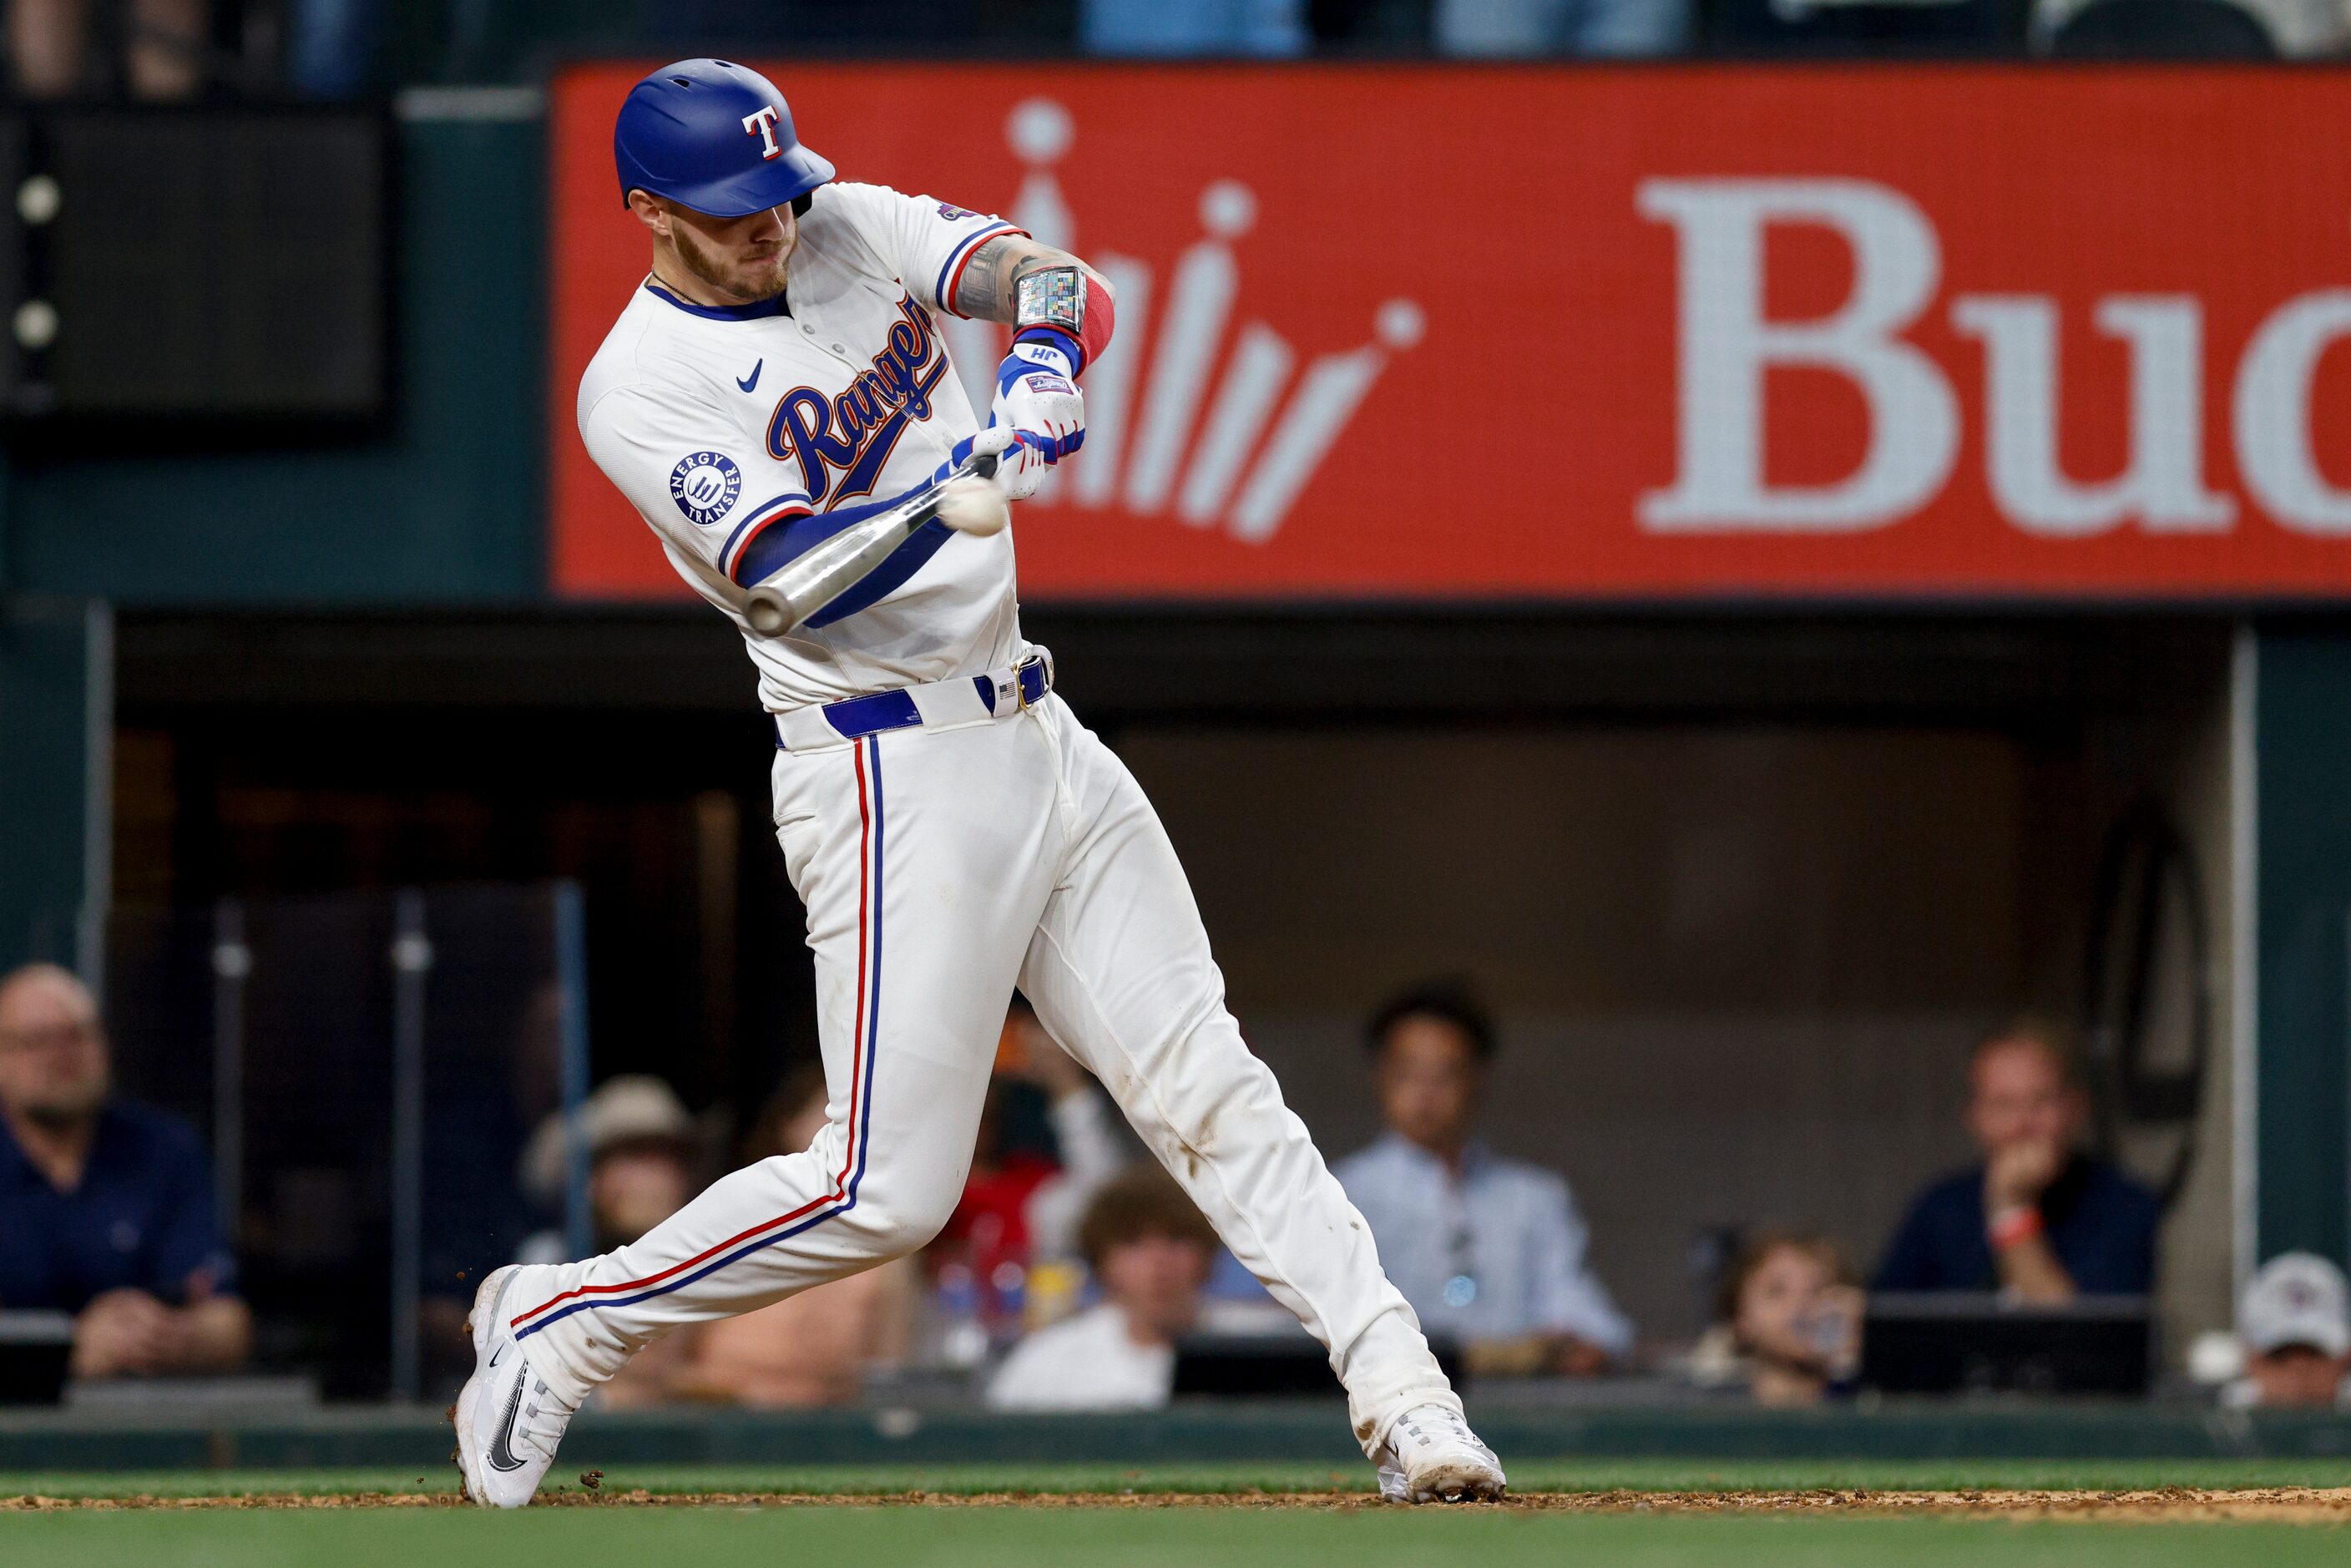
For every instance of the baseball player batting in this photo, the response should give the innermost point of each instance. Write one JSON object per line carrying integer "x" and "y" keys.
{"x": 776, "y": 400}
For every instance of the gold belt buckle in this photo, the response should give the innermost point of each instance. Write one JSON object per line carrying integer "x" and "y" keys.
{"x": 1020, "y": 688}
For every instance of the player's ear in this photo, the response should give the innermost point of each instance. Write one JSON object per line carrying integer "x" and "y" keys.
{"x": 651, "y": 209}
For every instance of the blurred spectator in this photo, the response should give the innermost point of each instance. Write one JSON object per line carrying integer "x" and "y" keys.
{"x": 1887, "y": 29}
{"x": 2302, "y": 30}
{"x": 2188, "y": 29}
{"x": 163, "y": 44}
{"x": 1600, "y": 29}
{"x": 785, "y": 27}
{"x": 2037, "y": 1219}
{"x": 1019, "y": 1205}
{"x": 814, "y": 1348}
{"x": 1486, "y": 1249}
{"x": 641, "y": 1157}
{"x": 331, "y": 44}
{"x": 1368, "y": 27}
{"x": 2295, "y": 1324}
{"x": 1167, "y": 28}
{"x": 106, "y": 1207}
{"x": 1787, "y": 1320}
{"x": 1092, "y": 1148}
{"x": 1150, "y": 1251}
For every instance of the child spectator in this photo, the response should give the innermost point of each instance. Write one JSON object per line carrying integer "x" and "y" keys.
{"x": 1787, "y": 1320}
{"x": 1150, "y": 1251}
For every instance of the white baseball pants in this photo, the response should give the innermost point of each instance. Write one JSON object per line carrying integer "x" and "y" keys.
{"x": 942, "y": 866}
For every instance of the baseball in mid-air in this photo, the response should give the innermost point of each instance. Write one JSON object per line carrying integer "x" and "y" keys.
{"x": 972, "y": 505}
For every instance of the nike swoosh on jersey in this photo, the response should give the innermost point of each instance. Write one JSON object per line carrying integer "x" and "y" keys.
{"x": 751, "y": 381}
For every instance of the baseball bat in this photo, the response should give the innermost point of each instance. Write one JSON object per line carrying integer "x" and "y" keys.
{"x": 822, "y": 573}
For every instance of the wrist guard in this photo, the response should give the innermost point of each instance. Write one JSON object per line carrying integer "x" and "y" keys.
{"x": 1064, "y": 307}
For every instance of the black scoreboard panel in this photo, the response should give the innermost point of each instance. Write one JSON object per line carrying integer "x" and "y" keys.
{"x": 213, "y": 266}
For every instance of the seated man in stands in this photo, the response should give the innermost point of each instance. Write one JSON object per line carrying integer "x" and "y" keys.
{"x": 106, "y": 1208}
{"x": 1150, "y": 1251}
{"x": 2037, "y": 1219}
{"x": 1486, "y": 1249}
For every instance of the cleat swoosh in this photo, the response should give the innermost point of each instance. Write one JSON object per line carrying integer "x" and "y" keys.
{"x": 501, "y": 1455}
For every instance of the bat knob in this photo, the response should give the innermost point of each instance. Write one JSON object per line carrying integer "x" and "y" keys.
{"x": 766, "y": 613}
{"x": 984, "y": 465}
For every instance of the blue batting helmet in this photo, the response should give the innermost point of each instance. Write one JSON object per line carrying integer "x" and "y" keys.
{"x": 713, "y": 136}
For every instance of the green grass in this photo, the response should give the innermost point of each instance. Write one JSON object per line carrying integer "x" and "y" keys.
{"x": 1558, "y": 1475}
{"x": 873, "y": 1537}
{"x": 848, "y": 1535}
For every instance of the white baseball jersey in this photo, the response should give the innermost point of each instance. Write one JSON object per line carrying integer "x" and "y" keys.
{"x": 735, "y": 429}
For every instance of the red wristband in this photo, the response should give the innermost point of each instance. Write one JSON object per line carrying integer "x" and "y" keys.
{"x": 2012, "y": 1226}
{"x": 1100, "y": 319}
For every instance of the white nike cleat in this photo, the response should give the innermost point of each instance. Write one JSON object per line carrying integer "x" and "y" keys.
{"x": 1432, "y": 1456}
{"x": 509, "y": 1421}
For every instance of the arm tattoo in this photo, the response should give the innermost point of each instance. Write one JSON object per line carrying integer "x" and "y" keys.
{"x": 987, "y": 291}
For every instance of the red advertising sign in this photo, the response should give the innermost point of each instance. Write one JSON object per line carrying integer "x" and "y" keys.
{"x": 1452, "y": 332}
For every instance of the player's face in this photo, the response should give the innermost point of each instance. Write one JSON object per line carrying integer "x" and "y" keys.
{"x": 1428, "y": 1081}
{"x": 742, "y": 259}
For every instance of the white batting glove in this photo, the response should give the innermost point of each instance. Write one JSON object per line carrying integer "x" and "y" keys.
{"x": 1036, "y": 399}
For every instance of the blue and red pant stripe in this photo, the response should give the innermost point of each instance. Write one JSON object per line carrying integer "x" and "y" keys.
{"x": 842, "y": 1197}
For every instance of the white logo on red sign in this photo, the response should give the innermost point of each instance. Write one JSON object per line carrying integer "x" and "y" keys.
{"x": 1727, "y": 344}
{"x": 1163, "y": 433}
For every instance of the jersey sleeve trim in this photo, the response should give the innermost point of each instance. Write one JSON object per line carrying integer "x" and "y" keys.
{"x": 734, "y": 555}
{"x": 950, "y": 270}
